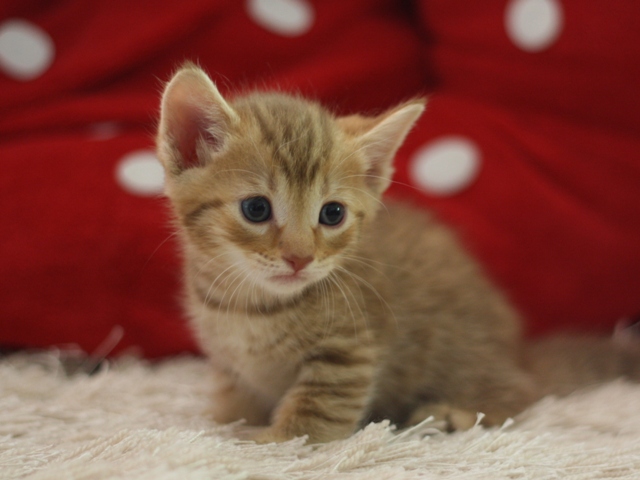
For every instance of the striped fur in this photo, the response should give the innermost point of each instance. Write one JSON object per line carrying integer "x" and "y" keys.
{"x": 387, "y": 318}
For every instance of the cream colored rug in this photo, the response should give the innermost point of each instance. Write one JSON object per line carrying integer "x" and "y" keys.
{"x": 138, "y": 421}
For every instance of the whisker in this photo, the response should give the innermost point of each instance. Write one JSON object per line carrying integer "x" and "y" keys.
{"x": 230, "y": 283}
{"x": 252, "y": 296}
{"x": 205, "y": 264}
{"x": 241, "y": 170}
{"x": 259, "y": 151}
{"x": 343, "y": 160}
{"x": 211, "y": 290}
{"x": 247, "y": 276}
{"x": 170, "y": 236}
{"x": 369, "y": 263}
{"x": 363, "y": 301}
{"x": 395, "y": 182}
{"x": 339, "y": 283}
{"x": 364, "y": 282}
{"x": 290, "y": 141}
{"x": 324, "y": 294}
{"x": 366, "y": 193}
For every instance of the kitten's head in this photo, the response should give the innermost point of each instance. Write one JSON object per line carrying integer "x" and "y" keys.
{"x": 271, "y": 186}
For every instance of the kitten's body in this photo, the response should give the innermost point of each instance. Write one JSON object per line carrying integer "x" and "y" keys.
{"x": 314, "y": 327}
{"x": 408, "y": 301}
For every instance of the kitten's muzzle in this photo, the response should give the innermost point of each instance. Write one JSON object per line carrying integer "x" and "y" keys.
{"x": 297, "y": 263}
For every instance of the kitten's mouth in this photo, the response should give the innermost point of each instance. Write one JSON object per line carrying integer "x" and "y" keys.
{"x": 292, "y": 278}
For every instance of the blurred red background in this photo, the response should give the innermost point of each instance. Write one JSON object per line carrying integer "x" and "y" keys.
{"x": 529, "y": 147}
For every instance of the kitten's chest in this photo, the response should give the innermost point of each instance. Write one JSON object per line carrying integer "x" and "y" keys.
{"x": 265, "y": 353}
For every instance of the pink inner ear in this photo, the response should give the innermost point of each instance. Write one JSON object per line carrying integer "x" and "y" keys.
{"x": 188, "y": 132}
{"x": 189, "y": 127}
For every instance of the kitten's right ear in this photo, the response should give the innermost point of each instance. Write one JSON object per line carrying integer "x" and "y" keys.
{"x": 194, "y": 120}
{"x": 380, "y": 137}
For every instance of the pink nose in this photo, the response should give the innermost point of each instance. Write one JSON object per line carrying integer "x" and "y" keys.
{"x": 297, "y": 263}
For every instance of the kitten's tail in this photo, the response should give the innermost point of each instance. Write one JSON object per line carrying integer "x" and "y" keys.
{"x": 563, "y": 364}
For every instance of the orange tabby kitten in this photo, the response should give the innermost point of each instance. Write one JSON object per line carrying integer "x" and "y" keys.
{"x": 320, "y": 307}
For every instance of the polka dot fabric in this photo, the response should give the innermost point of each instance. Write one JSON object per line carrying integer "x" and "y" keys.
{"x": 543, "y": 91}
{"x": 86, "y": 243}
{"x": 529, "y": 148}
{"x": 26, "y": 51}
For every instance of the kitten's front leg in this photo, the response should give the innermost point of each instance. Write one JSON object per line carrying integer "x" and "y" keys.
{"x": 233, "y": 401}
{"x": 329, "y": 397}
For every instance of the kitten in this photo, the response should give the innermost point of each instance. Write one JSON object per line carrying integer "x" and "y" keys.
{"x": 320, "y": 307}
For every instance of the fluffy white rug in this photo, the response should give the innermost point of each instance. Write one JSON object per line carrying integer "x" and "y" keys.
{"x": 141, "y": 421}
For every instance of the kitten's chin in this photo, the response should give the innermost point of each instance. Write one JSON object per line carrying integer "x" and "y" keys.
{"x": 288, "y": 285}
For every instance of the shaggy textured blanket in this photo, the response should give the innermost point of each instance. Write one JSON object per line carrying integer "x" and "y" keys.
{"x": 137, "y": 420}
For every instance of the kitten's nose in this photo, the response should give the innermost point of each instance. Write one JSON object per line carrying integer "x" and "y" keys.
{"x": 297, "y": 263}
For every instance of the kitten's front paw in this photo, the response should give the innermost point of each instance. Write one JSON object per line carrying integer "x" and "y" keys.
{"x": 232, "y": 402}
{"x": 271, "y": 435}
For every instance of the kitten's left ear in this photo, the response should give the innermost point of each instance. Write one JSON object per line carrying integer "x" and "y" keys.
{"x": 380, "y": 137}
{"x": 195, "y": 120}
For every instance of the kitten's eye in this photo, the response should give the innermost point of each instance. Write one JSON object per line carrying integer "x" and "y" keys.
{"x": 256, "y": 209}
{"x": 332, "y": 213}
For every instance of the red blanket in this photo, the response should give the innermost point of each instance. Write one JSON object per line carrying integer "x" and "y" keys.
{"x": 530, "y": 146}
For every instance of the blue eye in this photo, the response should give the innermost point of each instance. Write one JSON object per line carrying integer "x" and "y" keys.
{"x": 256, "y": 209}
{"x": 332, "y": 213}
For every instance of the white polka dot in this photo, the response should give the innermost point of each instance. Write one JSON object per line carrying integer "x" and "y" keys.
{"x": 446, "y": 165}
{"x": 533, "y": 25}
{"x": 288, "y": 18}
{"x": 26, "y": 51}
{"x": 140, "y": 173}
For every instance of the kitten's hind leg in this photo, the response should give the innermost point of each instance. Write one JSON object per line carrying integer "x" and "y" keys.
{"x": 498, "y": 395}
{"x": 445, "y": 416}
